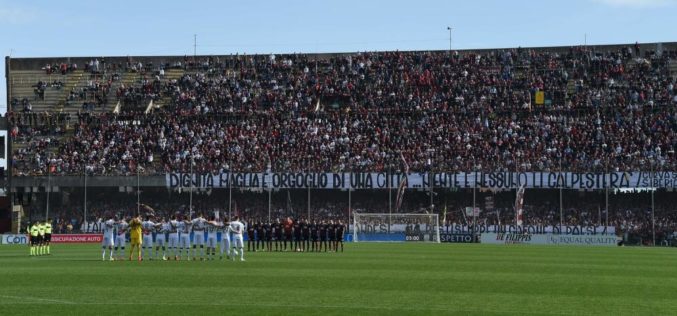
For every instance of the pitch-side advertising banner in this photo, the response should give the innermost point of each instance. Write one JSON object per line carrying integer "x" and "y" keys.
{"x": 77, "y": 238}
{"x": 457, "y": 238}
{"x": 12, "y": 239}
{"x": 549, "y": 239}
{"x": 530, "y": 229}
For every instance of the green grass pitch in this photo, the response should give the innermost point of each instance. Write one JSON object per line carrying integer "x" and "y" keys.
{"x": 368, "y": 279}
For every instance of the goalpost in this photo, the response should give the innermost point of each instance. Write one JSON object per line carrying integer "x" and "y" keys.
{"x": 384, "y": 227}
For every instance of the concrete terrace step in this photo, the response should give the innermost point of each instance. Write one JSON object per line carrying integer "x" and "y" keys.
{"x": 22, "y": 82}
{"x": 172, "y": 74}
{"x": 83, "y": 81}
{"x": 673, "y": 68}
{"x": 571, "y": 88}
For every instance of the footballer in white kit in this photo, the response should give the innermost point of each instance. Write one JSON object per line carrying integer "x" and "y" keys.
{"x": 147, "y": 228}
{"x": 161, "y": 231}
{"x": 120, "y": 240}
{"x": 184, "y": 227}
{"x": 199, "y": 224}
{"x": 238, "y": 229}
{"x": 213, "y": 228}
{"x": 225, "y": 238}
{"x": 174, "y": 236}
{"x": 108, "y": 238}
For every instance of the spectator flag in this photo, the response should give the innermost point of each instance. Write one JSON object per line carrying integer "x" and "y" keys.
{"x": 149, "y": 108}
{"x": 116, "y": 110}
{"x": 290, "y": 207}
{"x": 465, "y": 218}
{"x": 519, "y": 206}
{"x": 403, "y": 185}
{"x": 444, "y": 216}
{"x": 318, "y": 106}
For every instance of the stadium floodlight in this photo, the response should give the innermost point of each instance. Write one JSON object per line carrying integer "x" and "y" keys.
{"x": 384, "y": 227}
{"x": 449, "y": 28}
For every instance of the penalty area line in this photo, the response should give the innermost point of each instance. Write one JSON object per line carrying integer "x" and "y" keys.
{"x": 38, "y": 299}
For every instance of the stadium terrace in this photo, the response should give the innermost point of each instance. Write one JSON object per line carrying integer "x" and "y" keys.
{"x": 322, "y": 136}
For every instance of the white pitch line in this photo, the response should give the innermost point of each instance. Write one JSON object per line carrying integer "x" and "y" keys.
{"x": 401, "y": 308}
{"x": 38, "y": 299}
{"x": 438, "y": 308}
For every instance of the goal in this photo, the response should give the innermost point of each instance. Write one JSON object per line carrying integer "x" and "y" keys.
{"x": 383, "y": 227}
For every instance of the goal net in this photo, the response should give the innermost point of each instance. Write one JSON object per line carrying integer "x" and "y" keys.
{"x": 396, "y": 227}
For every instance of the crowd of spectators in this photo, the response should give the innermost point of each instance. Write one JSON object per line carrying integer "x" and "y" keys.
{"x": 63, "y": 68}
{"x": 611, "y": 110}
{"x": 338, "y": 141}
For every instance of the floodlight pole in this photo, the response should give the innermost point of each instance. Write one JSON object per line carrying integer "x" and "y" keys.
{"x": 270, "y": 196}
{"x": 349, "y": 206}
{"x": 49, "y": 187}
{"x": 390, "y": 198}
{"x": 85, "y": 202}
{"x": 432, "y": 191}
{"x": 561, "y": 203}
{"x": 653, "y": 206}
{"x": 230, "y": 193}
{"x": 138, "y": 191}
{"x": 449, "y": 28}
{"x": 194, "y": 50}
{"x": 190, "y": 194}
{"x": 607, "y": 193}
{"x": 390, "y": 191}
{"x": 474, "y": 199}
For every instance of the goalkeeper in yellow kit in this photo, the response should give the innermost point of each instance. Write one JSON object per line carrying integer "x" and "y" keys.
{"x": 135, "y": 237}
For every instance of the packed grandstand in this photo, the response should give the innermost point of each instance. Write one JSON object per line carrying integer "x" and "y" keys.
{"x": 572, "y": 109}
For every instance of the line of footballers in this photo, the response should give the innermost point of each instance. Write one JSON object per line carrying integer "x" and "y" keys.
{"x": 300, "y": 236}
{"x": 173, "y": 238}
{"x": 40, "y": 237}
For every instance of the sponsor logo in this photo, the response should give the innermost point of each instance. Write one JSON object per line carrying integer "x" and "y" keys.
{"x": 457, "y": 238}
{"x": 582, "y": 240}
{"x": 511, "y": 238}
{"x": 75, "y": 238}
{"x": 549, "y": 239}
{"x": 10, "y": 239}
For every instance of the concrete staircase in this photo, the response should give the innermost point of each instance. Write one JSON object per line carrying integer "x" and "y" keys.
{"x": 56, "y": 100}
{"x": 80, "y": 81}
{"x": 571, "y": 88}
{"x": 170, "y": 74}
{"x": 21, "y": 86}
{"x": 673, "y": 68}
{"x": 129, "y": 79}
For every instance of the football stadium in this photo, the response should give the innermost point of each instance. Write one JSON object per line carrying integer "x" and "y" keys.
{"x": 443, "y": 174}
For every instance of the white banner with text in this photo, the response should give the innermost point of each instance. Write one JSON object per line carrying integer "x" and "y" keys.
{"x": 383, "y": 180}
